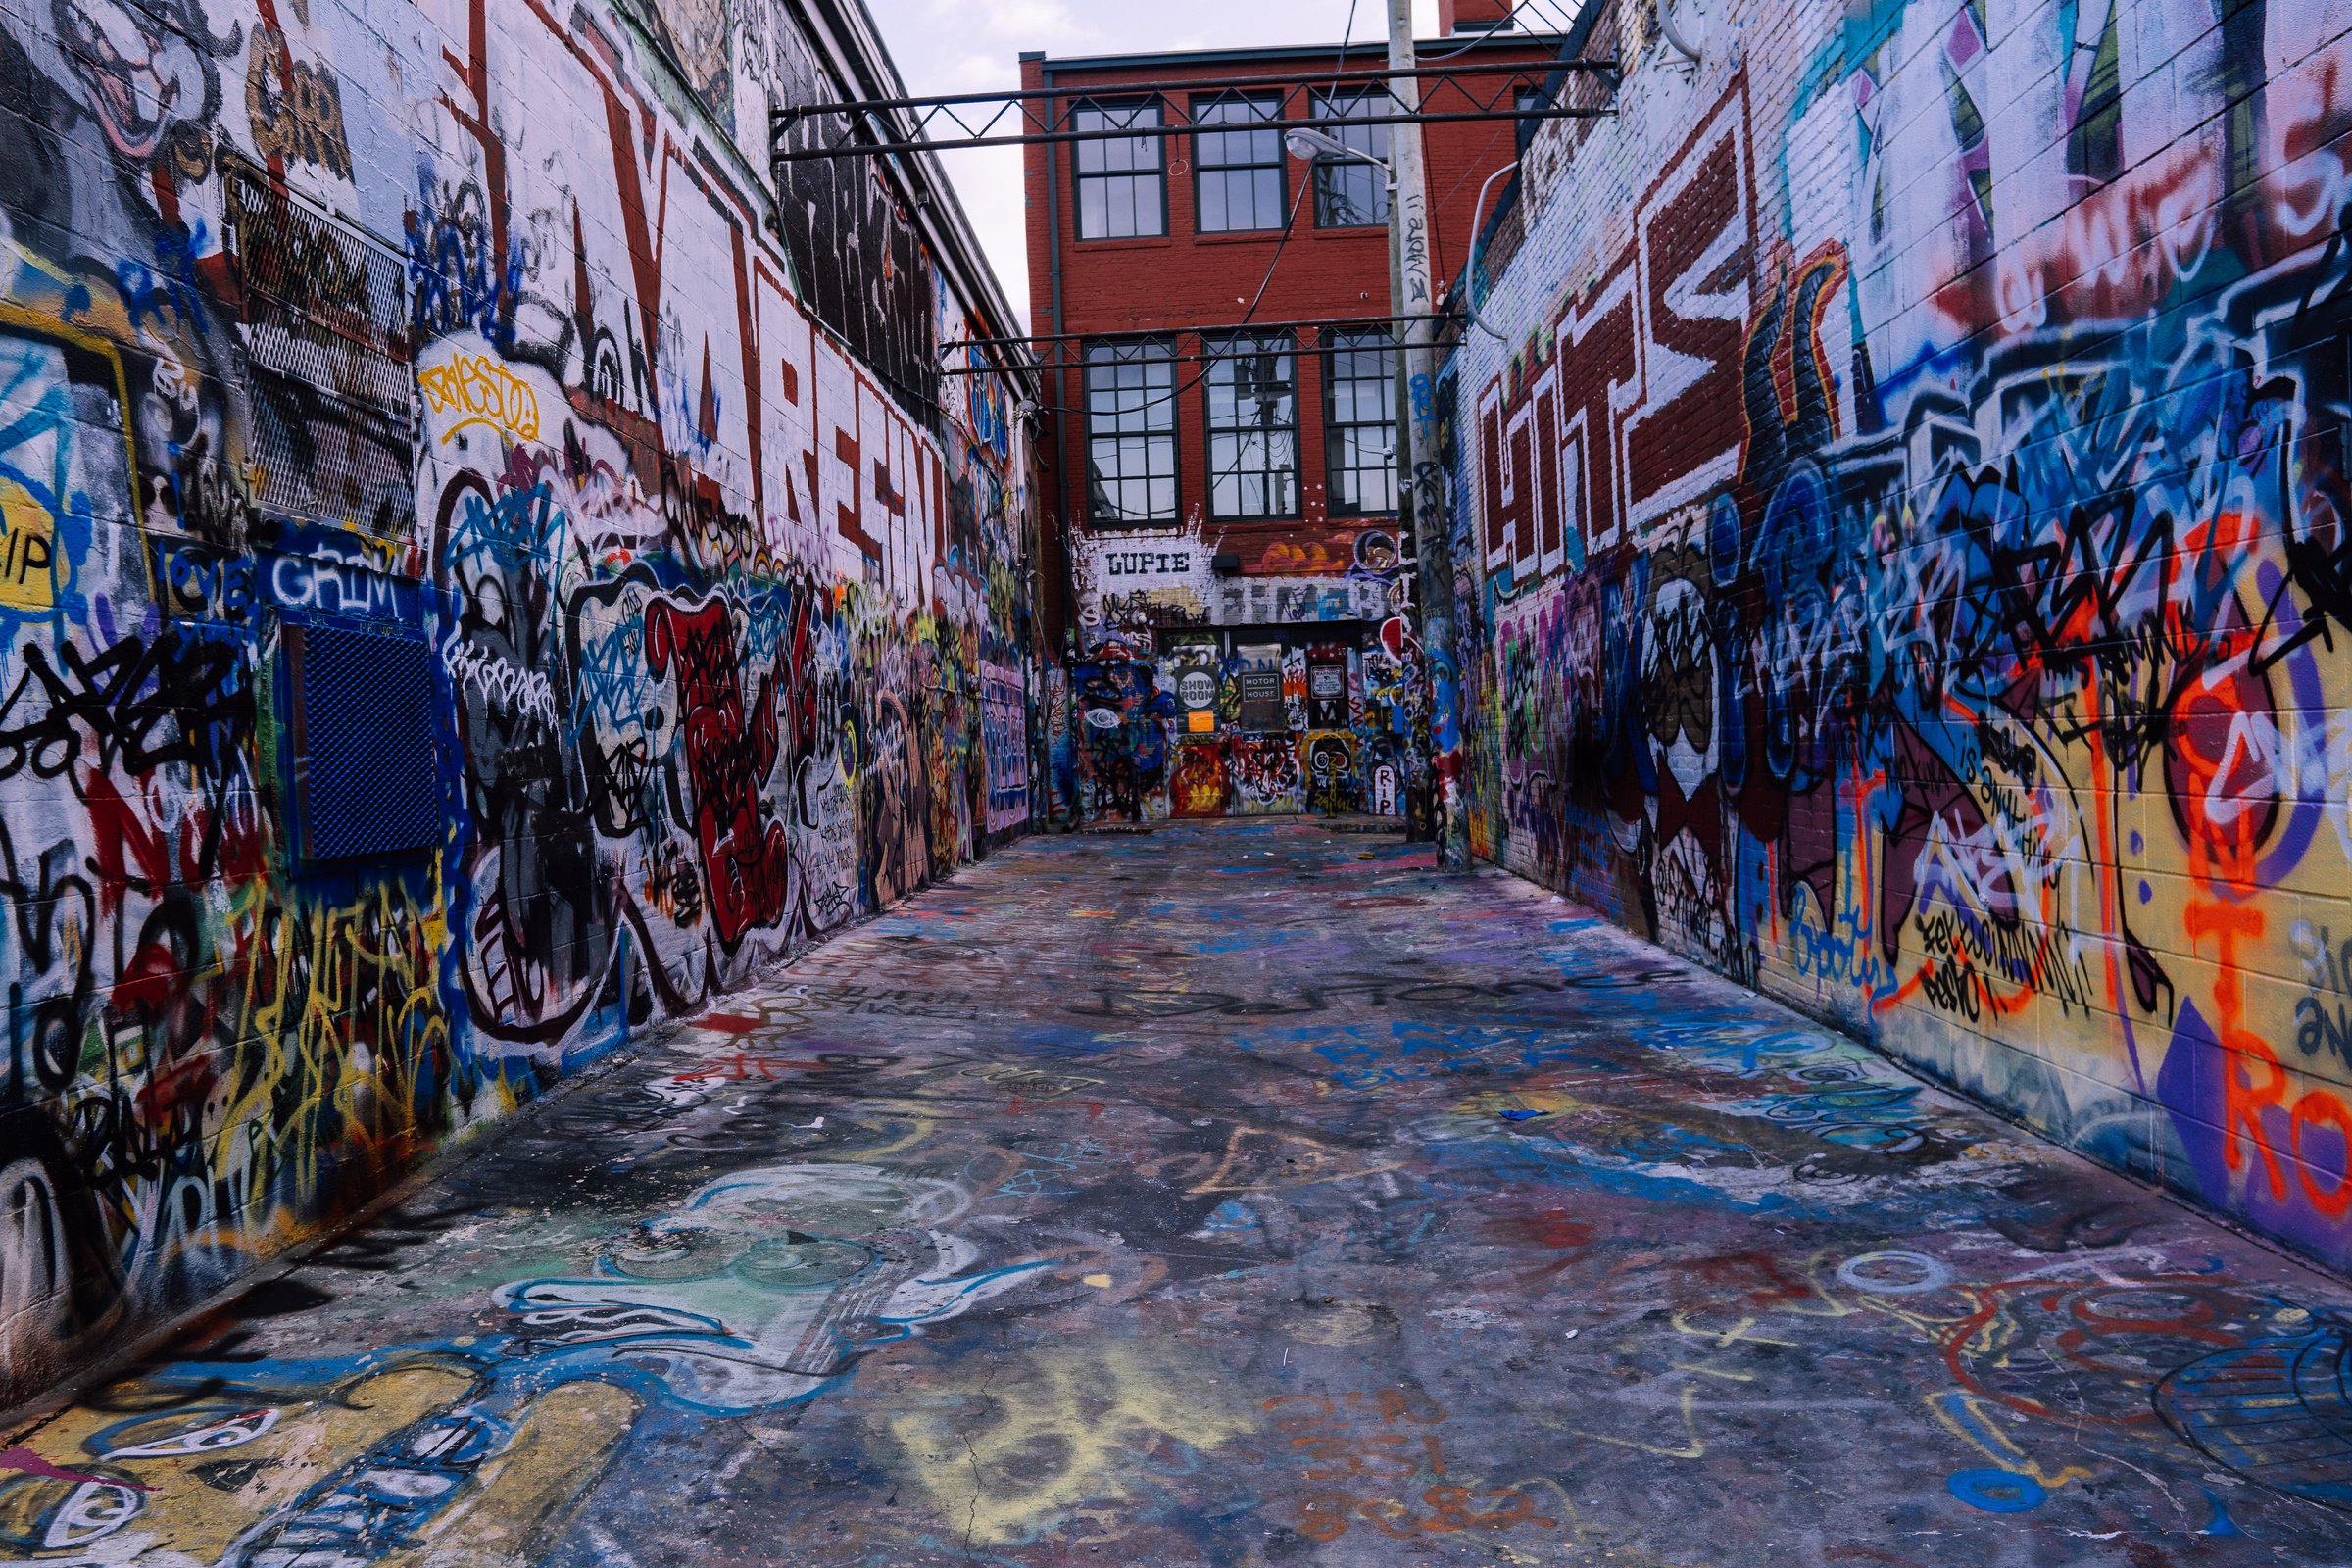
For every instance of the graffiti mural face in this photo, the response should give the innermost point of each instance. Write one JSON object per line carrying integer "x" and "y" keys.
{"x": 1893, "y": 596}
{"x": 140, "y": 72}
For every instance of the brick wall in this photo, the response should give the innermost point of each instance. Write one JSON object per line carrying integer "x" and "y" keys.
{"x": 472, "y": 585}
{"x": 1317, "y": 573}
{"x": 1905, "y": 553}
{"x": 1187, "y": 279}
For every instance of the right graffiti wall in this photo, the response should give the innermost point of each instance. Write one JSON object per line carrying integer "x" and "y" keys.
{"x": 1906, "y": 555}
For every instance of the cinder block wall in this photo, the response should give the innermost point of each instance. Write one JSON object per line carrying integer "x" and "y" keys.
{"x": 1907, "y": 554}
{"x": 471, "y": 586}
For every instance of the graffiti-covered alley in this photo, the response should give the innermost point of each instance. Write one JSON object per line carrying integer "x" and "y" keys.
{"x": 1240, "y": 1195}
{"x": 882, "y": 782}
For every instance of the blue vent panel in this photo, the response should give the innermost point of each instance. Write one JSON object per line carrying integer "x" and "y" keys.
{"x": 364, "y": 743}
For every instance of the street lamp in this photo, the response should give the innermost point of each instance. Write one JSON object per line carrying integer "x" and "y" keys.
{"x": 1308, "y": 144}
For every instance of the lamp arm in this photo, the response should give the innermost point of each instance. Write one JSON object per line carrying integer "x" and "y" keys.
{"x": 1470, "y": 272}
{"x": 1674, "y": 34}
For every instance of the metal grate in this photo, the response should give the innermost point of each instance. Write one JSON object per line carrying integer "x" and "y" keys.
{"x": 340, "y": 294}
{"x": 321, "y": 458}
{"x": 325, "y": 319}
{"x": 365, "y": 778}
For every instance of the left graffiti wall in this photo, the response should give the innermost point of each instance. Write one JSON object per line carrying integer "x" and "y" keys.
{"x": 484, "y": 569}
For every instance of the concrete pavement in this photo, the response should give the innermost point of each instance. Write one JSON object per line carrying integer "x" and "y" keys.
{"x": 1239, "y": 1194}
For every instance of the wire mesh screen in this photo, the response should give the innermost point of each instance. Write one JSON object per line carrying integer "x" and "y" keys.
{"x": 326, "y": 321}
{"x": 363, "y": 767}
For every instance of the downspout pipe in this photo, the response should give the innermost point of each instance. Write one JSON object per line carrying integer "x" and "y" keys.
{"x": 1061, "y": 405}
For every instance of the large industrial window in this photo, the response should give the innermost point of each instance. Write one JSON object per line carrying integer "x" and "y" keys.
{"x": 1122, "y": 188}
{"x": 1253, "y": 427}
{"x": 1240, "y": 180}
{"x": 1129, "y": 434}
{"x": 1351, "y": 193}
{"x": 1359, "y": 421}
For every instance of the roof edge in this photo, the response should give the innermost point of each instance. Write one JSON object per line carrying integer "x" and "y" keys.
{"x": 1375, "y": 51}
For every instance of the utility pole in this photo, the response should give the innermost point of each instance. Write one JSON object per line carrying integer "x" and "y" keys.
{"x": 1432, "y": 544}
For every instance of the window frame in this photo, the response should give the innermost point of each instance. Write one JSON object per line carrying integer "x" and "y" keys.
{"x": 1326, "y": 106}
{"x": 1355, "y": 340}
{"x": 1097, "y": 519}
{"x": 1218, "y": 343}
{"x": 1157, "y": 136}
{"x": 1272, "y": 103}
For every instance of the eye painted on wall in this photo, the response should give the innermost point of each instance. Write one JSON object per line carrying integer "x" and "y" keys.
{"x": 54, "y": 1512}
{"x": 184, "y": 1432}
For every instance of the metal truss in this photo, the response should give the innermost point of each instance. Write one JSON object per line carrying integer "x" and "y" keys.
{"x": 1066, "y": 350}
{"x": 877, "y": 127}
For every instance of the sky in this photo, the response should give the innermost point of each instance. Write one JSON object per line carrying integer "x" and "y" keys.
{"x": 950, "y": 46}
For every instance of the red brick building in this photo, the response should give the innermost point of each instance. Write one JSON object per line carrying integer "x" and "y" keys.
{"x": 1219, "y": 459}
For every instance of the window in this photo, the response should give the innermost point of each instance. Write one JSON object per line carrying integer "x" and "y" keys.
{"x": 1123, "y": 190}
{"x": 1129, "y": 434}
{"x": 1252, "y": 425}
{"x": 1351, "y": 193}
{"x": 1241, "y": 179}
{"x": 1359, "y": 421}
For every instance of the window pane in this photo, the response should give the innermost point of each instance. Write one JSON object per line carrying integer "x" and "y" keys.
{"x": 1359, "y": 422}
{"x": 1116, "y": 154}
{"x": 1265, "y": 197}
{"x": 1350, "y": 192}
{"x": 1119, "y": 179}
{"x": 1131, "y": 444}
{"x": 1241, "y": 172}
{"x": 1252, "y": 399}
